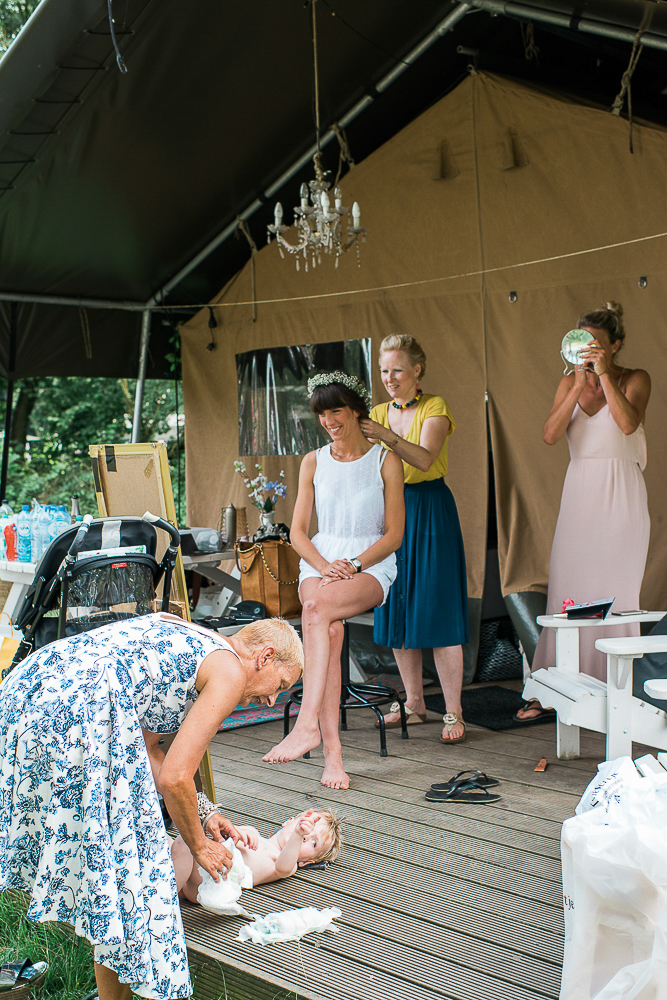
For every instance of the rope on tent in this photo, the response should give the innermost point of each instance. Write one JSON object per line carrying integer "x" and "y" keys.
{"x": 85, "y": 329}
{"x": 344, "y": 155}
{"x": 626, "y": 79}
{"x": 119, "y": 59}
{"x": 421, "y": 281}
{"x": 530, "y": 48}
{"x": 242, "y": 227}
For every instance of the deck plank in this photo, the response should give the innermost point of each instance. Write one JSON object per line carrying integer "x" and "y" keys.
{"x": 438, "y": 901}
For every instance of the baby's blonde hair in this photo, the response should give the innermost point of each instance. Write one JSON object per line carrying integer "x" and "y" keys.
{"x": 335, "y": 838}
{"x": 274, "y": 632}
{"x": 412, "y": 349}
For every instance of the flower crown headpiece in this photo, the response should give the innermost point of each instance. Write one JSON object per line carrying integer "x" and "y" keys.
{"x": 349, "y": 381}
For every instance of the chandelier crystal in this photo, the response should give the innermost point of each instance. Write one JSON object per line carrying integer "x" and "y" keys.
{"x": 318, "y": 223}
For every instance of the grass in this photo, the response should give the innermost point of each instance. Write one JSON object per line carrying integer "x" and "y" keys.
{"x": 70, "y": 958}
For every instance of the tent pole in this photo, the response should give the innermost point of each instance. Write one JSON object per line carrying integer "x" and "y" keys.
{"x": 567, "y": 19}
{"x": 67, "y": 300}
{"x": 141, "y": 379}
{"x": 13, "y": 323}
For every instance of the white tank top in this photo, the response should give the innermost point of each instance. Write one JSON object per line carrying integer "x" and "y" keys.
{"x": 349, "y": 496}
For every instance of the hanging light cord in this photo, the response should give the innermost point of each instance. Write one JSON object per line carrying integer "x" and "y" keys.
{"x": 315, "y": 75}
{"x": 119, "y": 59}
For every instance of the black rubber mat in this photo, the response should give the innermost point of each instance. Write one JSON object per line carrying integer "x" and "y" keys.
{"x": 490, "y": 707}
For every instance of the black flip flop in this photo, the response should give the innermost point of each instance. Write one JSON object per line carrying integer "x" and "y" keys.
{"x": 464, "y": 790}
{"x": 482, "y": 779}
{"x": 541, "y": 712}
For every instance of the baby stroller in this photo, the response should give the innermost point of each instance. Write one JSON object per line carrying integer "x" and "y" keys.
{"x": 93, "y": 573}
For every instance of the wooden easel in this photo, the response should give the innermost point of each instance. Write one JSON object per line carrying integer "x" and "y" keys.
{"x": 129, "y": 480}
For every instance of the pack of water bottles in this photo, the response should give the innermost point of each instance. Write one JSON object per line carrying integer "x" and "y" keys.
{"x": 26, "y": 535}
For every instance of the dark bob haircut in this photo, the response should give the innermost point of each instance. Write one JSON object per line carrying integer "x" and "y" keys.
{"x": 335, "y": 395}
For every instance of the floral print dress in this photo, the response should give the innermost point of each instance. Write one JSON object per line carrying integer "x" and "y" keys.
{"x": 80, "y": 822}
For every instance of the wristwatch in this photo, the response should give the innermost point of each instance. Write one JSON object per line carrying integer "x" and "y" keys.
{"x": 356, "y": 563}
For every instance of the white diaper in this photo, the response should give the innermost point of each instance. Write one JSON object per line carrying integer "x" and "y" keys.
{"x": 289, "y": 925}
{"x": 222, "y": 897}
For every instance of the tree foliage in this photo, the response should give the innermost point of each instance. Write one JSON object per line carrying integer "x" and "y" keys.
{"x": 55, "y": 419}
{"x": 13, "y": 15}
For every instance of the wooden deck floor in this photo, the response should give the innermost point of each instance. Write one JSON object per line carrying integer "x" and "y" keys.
{"x": 456, "y": 901}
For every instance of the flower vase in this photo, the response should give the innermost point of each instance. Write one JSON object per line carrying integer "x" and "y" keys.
{"x": 266, "y": 520}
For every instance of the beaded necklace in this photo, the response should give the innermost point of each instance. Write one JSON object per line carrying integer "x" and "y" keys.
{"x": 404, "y": 406}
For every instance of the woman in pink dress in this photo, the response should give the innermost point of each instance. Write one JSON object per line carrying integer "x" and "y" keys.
{"x": 601, "y": 540}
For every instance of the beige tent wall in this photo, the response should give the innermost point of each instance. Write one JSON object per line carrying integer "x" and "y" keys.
{"x": 419, "y": 226}
{"x": 493, "y": 175}
{"x": 579, "y": 187}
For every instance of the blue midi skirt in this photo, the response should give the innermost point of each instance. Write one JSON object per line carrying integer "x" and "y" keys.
{"x": 427, "y": 605}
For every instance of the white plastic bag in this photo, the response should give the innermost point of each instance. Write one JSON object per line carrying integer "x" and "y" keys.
{"x": 222, "y": 897}
{"x": 289, "y": 925}
{"x": 615, "y": 893}
{"x": 612, "y": 778}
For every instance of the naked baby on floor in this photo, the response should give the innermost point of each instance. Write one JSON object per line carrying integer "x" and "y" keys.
{"x": 313, "y": 836}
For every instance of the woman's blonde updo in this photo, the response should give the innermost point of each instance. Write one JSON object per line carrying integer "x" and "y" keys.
{"x": 609, "y": 319}
{"x": 407, "y": 345}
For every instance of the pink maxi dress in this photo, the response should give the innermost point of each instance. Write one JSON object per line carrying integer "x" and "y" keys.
{"x": 601, "y": 540}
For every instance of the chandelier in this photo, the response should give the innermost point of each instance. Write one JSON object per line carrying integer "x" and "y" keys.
{"x": 318, "y": 223}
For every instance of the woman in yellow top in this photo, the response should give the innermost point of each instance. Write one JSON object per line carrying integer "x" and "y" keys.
{"x": 427, "y": 607}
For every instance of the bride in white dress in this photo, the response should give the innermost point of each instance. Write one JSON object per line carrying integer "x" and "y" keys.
{"x": 349, "y": 565}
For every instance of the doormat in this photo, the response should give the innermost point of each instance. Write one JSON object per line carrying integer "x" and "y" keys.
{"x": 490, "y": 707}
{"x": 254, "y": 713}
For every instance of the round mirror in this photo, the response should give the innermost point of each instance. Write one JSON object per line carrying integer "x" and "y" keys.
{"x": 572, "y": 343}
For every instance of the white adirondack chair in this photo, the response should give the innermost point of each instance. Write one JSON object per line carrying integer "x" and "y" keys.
{"x": 583, "y": 702}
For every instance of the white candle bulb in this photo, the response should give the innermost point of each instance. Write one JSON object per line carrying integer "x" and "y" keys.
{"x": 325, "y": 201}
{"x": 304, "y": 195}
{"x": 339, "y": 199}
{"x": 278, "y": 214}
{"x": 356, "y": 214}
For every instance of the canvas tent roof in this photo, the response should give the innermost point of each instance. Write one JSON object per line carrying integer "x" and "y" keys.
{"x": 110, "y": 183}
{"x": 532, "y": 177}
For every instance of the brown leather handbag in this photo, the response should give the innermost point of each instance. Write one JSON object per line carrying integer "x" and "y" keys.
{"x": 270, "y": 574}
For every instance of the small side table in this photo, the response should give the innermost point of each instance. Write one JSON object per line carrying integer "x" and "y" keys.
{"x": 20, "y": 575}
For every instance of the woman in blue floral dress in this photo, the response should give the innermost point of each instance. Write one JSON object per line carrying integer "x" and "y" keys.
{"x": 80, "y": 822}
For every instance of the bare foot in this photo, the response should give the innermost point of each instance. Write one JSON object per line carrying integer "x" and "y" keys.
{"x": 298, "y": 742}
{"x": 334, "y": 775}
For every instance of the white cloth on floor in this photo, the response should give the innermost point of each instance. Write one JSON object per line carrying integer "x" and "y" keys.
{"x": 289, "y": 925}
{"x": 222, "y": 897}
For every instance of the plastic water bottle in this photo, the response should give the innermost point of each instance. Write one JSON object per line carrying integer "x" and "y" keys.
{"x": 6, "y": 510}
{"x": 45, "y": 527}
{"x": 54, "y": 525}
{"x": 10, "y": 538}
{"x": 36, "y": 535}
{"x": 62, "y": 519}
{"x": 23, "y": 534}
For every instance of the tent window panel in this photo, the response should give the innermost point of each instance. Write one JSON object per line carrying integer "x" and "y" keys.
{"x": 274, "y": 415}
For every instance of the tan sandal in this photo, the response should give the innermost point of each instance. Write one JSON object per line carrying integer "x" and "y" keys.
{"x": 450, "y": 720}
{"x": 412, "y": 718}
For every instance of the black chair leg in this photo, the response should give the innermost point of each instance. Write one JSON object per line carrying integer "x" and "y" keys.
{"x": 405, "y": 735}
{"x": 383, "y": 734}
{"x": 344, "y": 694}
